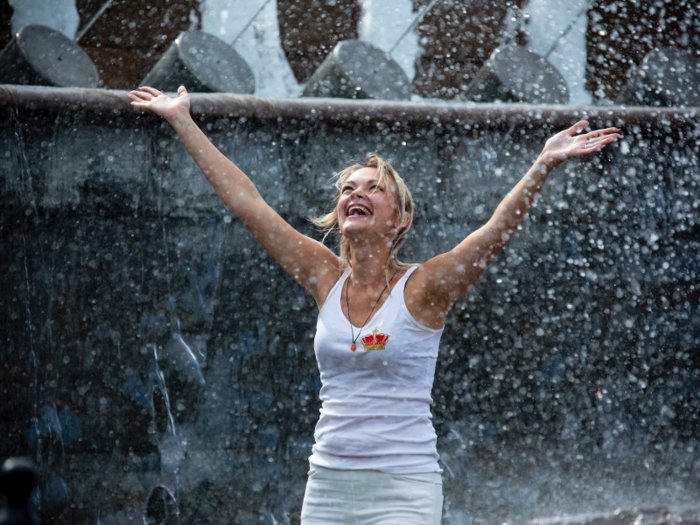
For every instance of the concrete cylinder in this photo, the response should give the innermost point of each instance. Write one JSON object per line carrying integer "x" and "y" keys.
{"x": 202, "y": 63}
{"x": 666, "y": 77}
{"x": 515, "y": 74}
{"x": 358, "y": 70}
{"x": 41, "y": 56}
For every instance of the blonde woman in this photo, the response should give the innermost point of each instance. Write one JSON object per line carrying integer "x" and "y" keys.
{"x": 380, "y": 320}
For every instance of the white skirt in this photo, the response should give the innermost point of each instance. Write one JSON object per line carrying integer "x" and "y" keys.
{"x": 370, "y": 497}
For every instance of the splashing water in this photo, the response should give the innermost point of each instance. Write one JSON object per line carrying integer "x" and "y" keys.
{"x": 259, "y": 44}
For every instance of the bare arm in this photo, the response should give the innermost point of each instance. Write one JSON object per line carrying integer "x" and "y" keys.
{"x": 310, "y": 263}
{"x": 447, "y": 277}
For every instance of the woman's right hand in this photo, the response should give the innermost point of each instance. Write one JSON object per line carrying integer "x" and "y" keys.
{"x": 153, "y": 100}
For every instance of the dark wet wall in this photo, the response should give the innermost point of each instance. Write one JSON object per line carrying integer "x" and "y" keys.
{"x": 5, "y": 17}
{"x": 155, "y": 361}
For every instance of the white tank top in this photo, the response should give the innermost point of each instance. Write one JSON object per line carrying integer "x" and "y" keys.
{"x": 376, "y": 400}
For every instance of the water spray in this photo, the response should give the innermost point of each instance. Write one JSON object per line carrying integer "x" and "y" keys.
{"x": 245, "y": 27}
{"x": 413, "y": 24}
{"x": 569, "y": 28}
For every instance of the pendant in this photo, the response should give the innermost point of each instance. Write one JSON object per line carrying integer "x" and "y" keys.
{"x": 353, "y": 347}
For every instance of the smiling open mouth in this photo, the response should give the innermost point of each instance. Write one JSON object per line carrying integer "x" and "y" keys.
{"x": 357, "y": 210}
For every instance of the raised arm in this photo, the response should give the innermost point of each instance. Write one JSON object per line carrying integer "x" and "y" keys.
{"x": 309, "y": 262}
{"x": 445, "y": 278}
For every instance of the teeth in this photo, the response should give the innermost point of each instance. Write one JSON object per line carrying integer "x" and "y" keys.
{"x": 357, "y": 210}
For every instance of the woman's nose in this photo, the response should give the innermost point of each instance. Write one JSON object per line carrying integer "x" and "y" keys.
{"x": 358, "y": 192}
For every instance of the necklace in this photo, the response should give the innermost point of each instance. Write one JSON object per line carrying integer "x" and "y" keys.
{"x": 353, "y": 346}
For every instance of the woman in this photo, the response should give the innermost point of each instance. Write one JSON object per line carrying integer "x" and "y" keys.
{"x": 380, "y": 320}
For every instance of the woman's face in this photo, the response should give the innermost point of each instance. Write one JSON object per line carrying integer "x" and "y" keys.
{"x": 367, "y": 205}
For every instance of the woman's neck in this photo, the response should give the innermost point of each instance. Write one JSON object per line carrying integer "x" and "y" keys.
{"x": 370, "y": 263}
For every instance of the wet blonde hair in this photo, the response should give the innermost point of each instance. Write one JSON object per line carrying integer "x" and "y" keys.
{"x": 404, "y": 204}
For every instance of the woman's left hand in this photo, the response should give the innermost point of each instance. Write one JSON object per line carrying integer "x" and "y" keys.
{"x": 571, "y": 143}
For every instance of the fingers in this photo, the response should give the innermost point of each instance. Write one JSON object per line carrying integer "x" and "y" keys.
{"x": 608, "y": 140}
{"x": 142, "y": 99}
{"x": 598, "y": 143}
{"x": 598, "y": 139}
{"x": 598, "y": 136}
{"x": 577, "y": 128}
{"x": 137, "y": 99}
{"x": 148, "y": 93}
{"x": 151, "y": 91}
{"x": 600, "y": 133}
{"x": 139, "y": 95}
{"x": 581, "y": 125}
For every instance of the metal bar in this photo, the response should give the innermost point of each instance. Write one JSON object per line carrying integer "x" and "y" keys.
{"x": 35, "y": 98}
{"x": 90, "y": 23}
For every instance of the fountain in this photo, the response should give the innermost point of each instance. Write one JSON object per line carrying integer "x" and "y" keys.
{"x": 205, "y": 63}
{"x": 148, "y": 372}
{"x": 41, "y": 56}
{"x": 516, "y": 74}
{"x": 358, "y": 70}
{"x": 666, "y": 77}
{"x": 253, "y": 30}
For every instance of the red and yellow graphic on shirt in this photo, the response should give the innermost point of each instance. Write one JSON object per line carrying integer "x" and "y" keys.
{"x": 375, "y": 340}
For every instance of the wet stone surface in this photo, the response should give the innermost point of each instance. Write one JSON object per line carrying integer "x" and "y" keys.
{"x": 154, "y": 360}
